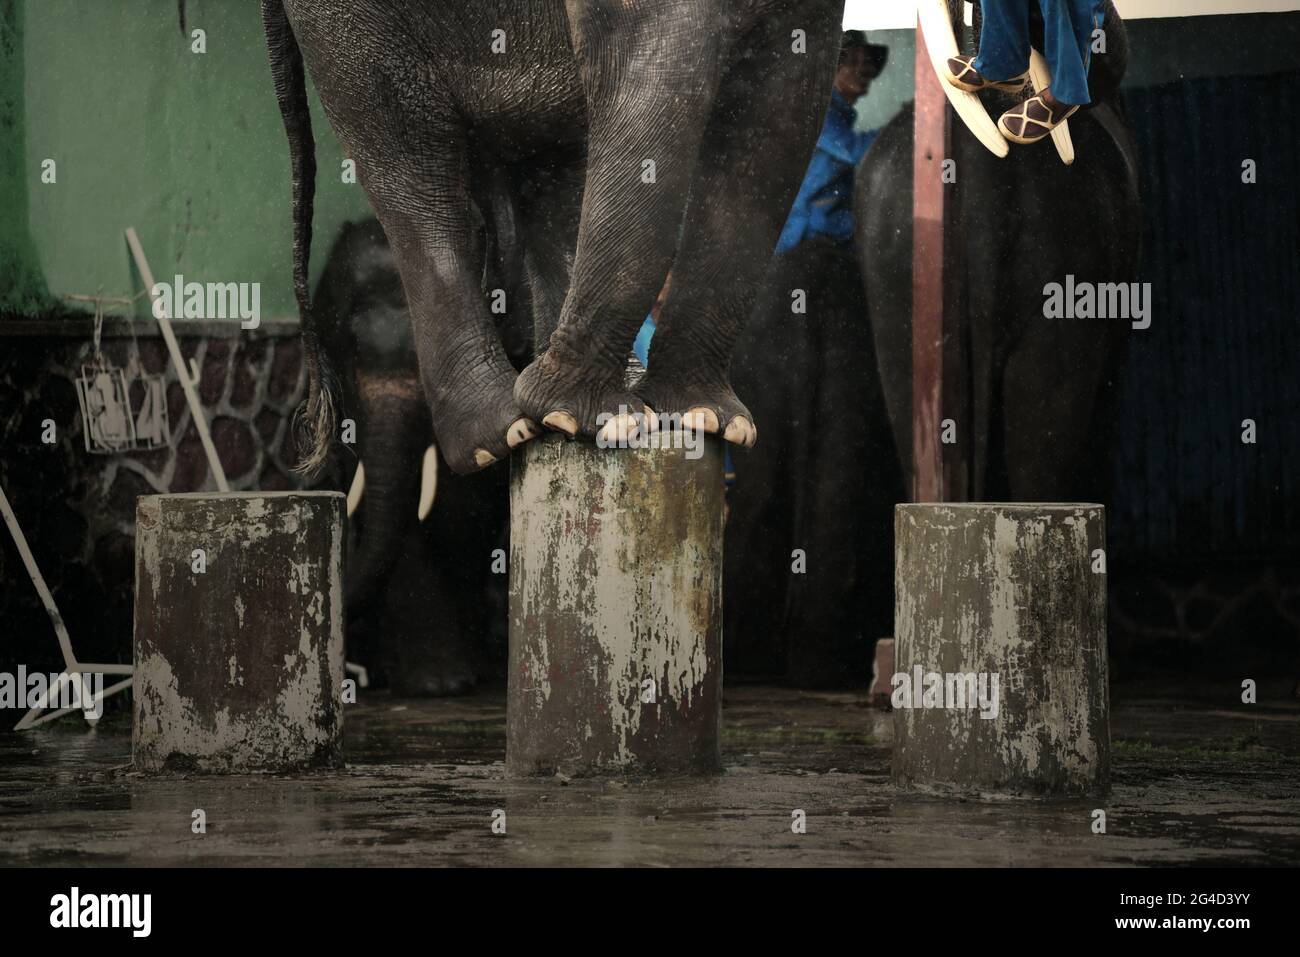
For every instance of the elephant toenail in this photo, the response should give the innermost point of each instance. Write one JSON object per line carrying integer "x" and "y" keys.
{"x": 740, "y": 431}
{"x": 561, "y": 422}
{"x": 483, "y": 458}
{"x": 704, "y": 420}
{"x": 521, "y": 430}
{"x": 620, "y": 429}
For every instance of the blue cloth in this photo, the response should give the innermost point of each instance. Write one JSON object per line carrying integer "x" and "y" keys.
{"x": 823, "y": 203}
{"x": 1067, "y": 42}
{"x": 641, "y": 345}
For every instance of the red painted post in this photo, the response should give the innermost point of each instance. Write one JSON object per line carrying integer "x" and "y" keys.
{"x": 928, "y": 151}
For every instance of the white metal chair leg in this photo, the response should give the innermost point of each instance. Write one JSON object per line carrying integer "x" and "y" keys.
{"x": 70, "y": 664}
{"x": 363, "y": 676}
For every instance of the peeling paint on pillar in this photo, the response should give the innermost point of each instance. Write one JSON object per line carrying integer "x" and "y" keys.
{"x": 1004, "y": 590}
{"x": 615, "y": 578}
{"x": 240, "y": 667}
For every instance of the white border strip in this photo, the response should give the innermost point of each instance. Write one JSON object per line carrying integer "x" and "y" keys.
{"x": 875, "y": 15}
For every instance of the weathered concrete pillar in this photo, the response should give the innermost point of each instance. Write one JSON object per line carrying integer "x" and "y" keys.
{"x": 238, "y": 631}
{"x": 615, "y": 608}
{"x": 1005, "y": 605}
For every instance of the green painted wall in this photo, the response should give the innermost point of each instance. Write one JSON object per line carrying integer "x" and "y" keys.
{"x": 22, "y": 288}
{"x": 187, "y": 147}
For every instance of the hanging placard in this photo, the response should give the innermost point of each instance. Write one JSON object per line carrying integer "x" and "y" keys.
{"x": 120, "y": 415}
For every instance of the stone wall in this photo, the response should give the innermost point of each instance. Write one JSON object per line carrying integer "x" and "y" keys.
{"x": 77, "y": 509}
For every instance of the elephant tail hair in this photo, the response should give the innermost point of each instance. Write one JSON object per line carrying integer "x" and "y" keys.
{"x": 314, "y": 422}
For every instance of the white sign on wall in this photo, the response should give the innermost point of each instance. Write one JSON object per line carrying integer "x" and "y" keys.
{"x": 877, "y": 15}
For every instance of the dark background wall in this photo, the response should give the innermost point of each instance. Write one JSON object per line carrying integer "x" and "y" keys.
{"x": 1223, "y": 258}
{"x": 1203, "y": 526}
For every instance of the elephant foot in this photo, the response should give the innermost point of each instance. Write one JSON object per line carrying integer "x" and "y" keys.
{"x": 439, "y": 673}
{"x": 824, "y": 674}
{"x": 573, "y": 397}
{"x": 480, "y": 427}
{"x": 420, "y": 666}
{"x": 432, "y": 681}
{"x": 707, "y": 406}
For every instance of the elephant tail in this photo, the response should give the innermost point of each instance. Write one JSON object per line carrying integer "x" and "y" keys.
{"x": 314, "y": 421}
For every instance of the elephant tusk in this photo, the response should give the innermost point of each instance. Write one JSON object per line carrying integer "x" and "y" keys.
{"x": 428, "y": 482}
{"x": 941, "y": 42}
{"x": 357, "y": 489}
{"x": 1041, "y": 77}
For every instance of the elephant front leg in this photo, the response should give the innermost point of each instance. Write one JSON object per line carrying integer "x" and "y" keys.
{"x": 765, "y": 122}
{"x": 649, "y": 74}
{"x": 467, "y": 377}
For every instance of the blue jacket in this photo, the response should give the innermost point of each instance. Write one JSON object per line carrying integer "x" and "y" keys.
{"x": 823, "y": 203}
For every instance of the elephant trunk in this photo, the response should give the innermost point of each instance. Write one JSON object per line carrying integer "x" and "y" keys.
{"x": 392, "y": 438}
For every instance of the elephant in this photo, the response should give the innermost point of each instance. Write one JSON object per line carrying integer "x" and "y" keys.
{"x": 636, "y": 135}
{"x": 425, "y": 608}
{"x": 808, "y": 588}
{"x": 1041, "y": 393}
{"x": 809, "y": 552}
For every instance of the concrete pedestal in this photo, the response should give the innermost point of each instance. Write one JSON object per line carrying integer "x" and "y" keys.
{"x": 239, "y": 631}
{"x": 615, "y": 609}
{"x": 1007, "y": 601}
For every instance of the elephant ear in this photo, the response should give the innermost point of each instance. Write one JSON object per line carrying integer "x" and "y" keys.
{"x": 941, "y": 42}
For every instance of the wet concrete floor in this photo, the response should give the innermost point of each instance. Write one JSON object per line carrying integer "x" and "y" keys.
{"x": 1199, "y": 778}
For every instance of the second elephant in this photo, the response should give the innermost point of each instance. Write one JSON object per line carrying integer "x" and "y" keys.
{"x": 425, "y": 587}
{"x": 1034, "y": 417}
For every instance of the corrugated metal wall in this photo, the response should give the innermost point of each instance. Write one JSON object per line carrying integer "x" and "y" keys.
{"x": 1223, "y": 258}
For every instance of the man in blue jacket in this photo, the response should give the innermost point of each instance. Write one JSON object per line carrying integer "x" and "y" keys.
{"x": 823, "y": 204}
